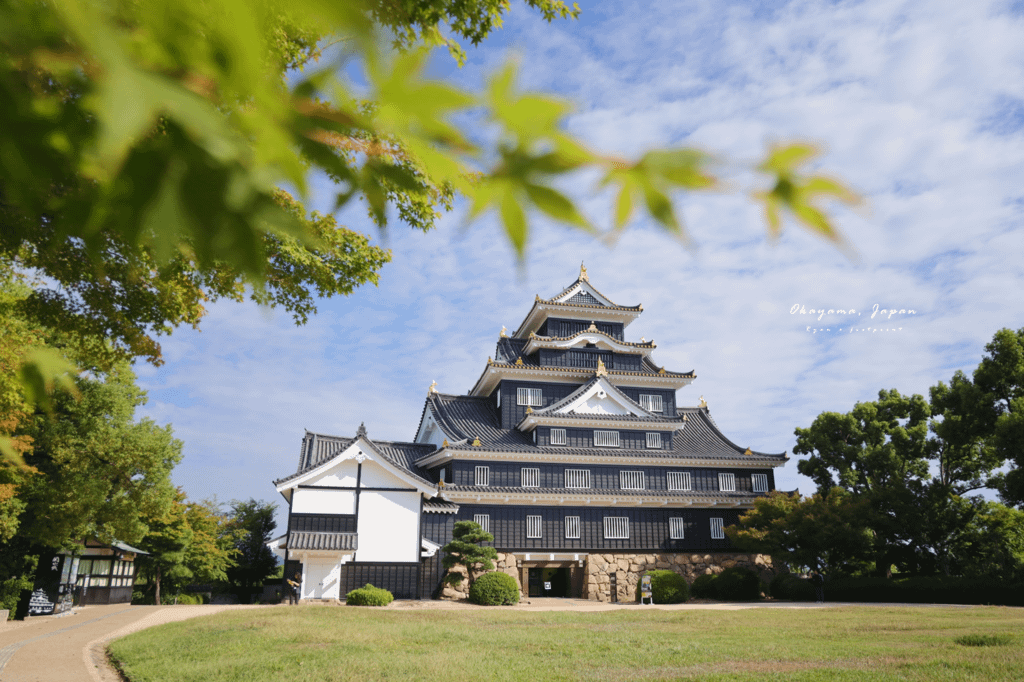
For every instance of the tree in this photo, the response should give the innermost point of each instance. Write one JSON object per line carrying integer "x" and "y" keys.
{"x": 827, "y": 531}
{"x": 167, "y": 544}
{"x": 143, "y": 145}
{"x": 465, "y": 550}
{"x": 252, "y": 523}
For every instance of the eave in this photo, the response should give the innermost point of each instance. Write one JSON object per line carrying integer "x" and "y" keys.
{"x": 615, "y": 457}
{"x": 532, "y": 421}
{"x": 543, "y": 309}
{"x": 609, "y": 498}
{"x": 496, "y": 372}
{"x": 594, "y": 336}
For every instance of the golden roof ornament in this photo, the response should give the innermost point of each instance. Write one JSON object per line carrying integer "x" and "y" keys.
{"x": 476, "y": 442}
{"x": 519, "y": 361}
{"x": 529, "y": 410}
{"x": 661, "y": 371}
{"x": 748, "y": 452}
{"x": 433, "y": 388}
{"x": 583, "y": 272}
{"x": 592, "y": 327}
{"x": 445, "y": 443}
{"x": 489, "y": 361}
{"x": 703, "y": 403}
{"x": 503, "y": 334}
{"x": 643, "y": 339}
{"x": 601, "y": 370}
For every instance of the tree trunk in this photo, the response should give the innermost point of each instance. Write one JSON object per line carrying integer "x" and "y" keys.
{"x": 157, "y": 583}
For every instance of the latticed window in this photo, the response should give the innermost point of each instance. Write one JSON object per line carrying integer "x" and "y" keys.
{"x": 533, "y": 526}
{"x": 727, "y": 483}
{"x": 531, "y": 478}
{"x": 572, "y": 527}
{"x": 717, "y": 529}
{"x": 631, "y": 480}
{"x": 482, "y": 476}
{"x": 577, "y": 478}
{"x": 760, "y": 482}
{"x": 616, "y": 528}
{"x": 676, "y": 528}
{"x": 654, "y": 440}
{"x": 484, "y": 521}
{"x": 529, "y": 396}
{"x": 607, "y": 439}
{"x": 679, "y": 480}
{"x": 652, "y": 403}
{"x": 558, "y": 436}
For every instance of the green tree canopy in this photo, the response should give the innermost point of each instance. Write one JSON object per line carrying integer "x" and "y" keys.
{"x": 252, "y": 524}
{"x": 465, "y": 550}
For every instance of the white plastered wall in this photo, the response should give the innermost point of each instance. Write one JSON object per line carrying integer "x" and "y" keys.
{"x": 388, "y": 525}
{"x": 312, "y": 501}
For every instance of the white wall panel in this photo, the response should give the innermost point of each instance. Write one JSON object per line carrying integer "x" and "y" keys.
{"x": 388, "y": 526}
{"x": 322, "y": 579}
{"x": 342, "y": 475}
{"x": 375, "y": 476}
{"x": 311, "y": 501}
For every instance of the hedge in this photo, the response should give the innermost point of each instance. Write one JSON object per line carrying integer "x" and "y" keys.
{"x": 738, "y": 584}
{"x": 925, "y": 590}
{"x": 704, "y": 587}
{"x": 369, "y": 596}
{"x": 667, "y": 587}
{"x": 789, "y": 586}
{"x": 494, "y": 589}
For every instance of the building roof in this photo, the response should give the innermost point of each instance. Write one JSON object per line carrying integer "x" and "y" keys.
{"x": 469, "y": 418}
{"x": 318, "y": 449}
{"x": 309, "y": 540}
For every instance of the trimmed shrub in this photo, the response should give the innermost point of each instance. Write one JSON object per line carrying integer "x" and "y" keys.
{"x": 369, "y": 596}
{"x": 667, "y": 587}
{"x": 704, "y": 587}
{"x": 926, "y": 590}
{"x": 494, "y": 589}
{"x": 738, "y": 584}
{"x": 789, "y": 586}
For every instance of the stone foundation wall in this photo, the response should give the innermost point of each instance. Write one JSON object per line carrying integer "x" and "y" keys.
{"x": 506, "y": 563}
{"x": 628, "y": 567}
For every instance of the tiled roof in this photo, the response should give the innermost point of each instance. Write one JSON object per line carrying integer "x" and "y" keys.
{"x": 469, "y": 418}
{"x": 320, "y": 448}
{"x": 551, "y": 409}
{"x": 439, "y": 506}
{"x": 322, "y": 541}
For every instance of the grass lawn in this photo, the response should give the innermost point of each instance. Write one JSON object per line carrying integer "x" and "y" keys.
{"x": 349, "y": 643}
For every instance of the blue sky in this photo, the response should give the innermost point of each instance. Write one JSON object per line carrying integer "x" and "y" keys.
{"x": 920, "y": 107}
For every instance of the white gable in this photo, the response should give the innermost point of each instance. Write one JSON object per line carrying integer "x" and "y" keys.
{"x": 602, "y": 398}
{"x": 378, "y": 471}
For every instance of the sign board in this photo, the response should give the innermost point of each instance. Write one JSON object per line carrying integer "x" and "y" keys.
{"x": 645, "y": 586}
{"x": 547, "y": 586}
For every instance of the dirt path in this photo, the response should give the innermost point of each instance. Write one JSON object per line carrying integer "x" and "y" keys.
{"x": 71, "y": 648}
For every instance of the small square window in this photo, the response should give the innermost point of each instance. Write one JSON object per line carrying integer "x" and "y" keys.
{"x": 530, "y": 477}
{"x": 759, "y": 483}
{"x": 484, "y": 521}
{"x": 654, "y": 441}
{"x": 558, "y": 436}
{"x": 533, "y": 524}
{"x": 676, "y": 528}
{"x": 679, "y": 480}
{"x": 572, "y": 527}
{"x": 577, "y": 478}
{"x": 616, "y": 528}
{"x": 532, "y": 397}
{"x": 652, "y": 403}
{"x": 727, "y": 483}
{"x": 631, "y": 480}
{"x": 482, "y": 476}
{"x": 717, "y": 529}
{"x": 606, "y": 439}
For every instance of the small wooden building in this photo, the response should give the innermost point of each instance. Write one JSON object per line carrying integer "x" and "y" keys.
{"x": 94, "y": 573}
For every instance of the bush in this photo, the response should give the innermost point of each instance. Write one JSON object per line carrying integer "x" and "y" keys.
{"x": 667, "y": 587}
{"x": 926, "y": 590}
{"x": 738, "y": 584}
{"x": 704, "y": 587}
{"x": 789, "y": 586}
{"x": 369, "y": 596}
{"x": 494, "y": 589}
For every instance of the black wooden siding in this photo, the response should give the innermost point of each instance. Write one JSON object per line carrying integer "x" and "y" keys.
{"x": 648, "y": 528}
{"x": 512, "y": 414}
{"x": 584, "y": 438}
{"x": 668, "y": 398}
{"x": 399, "y": 578}
{"x": 587, "y": 358}
{"x": 555, "y": 326}
{"x": 505, "y": 474}
{"x": 323, "y": 523}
